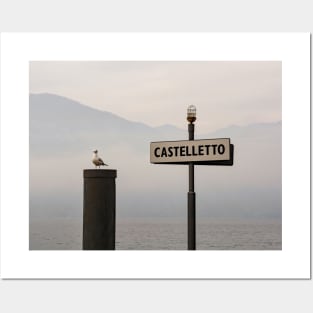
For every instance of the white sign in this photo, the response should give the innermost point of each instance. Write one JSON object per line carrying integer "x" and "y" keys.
{"x": 190, "y": 151}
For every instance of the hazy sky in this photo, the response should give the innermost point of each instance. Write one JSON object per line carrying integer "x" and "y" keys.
{"x": 157, "y": 93}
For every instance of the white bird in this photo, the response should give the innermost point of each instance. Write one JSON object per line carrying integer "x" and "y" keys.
{"x": 96, "y": 160}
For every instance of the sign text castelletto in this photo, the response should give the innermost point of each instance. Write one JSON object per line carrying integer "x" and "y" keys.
{"x": 205, "y": 151}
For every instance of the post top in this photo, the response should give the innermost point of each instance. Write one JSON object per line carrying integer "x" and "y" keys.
{"x": 99, "y": 173}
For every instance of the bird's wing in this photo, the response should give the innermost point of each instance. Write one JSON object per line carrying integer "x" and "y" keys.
{"x": 101, "y": 162}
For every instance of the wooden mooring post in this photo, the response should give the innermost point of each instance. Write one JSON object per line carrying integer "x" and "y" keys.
{"x": 99, "y": 213}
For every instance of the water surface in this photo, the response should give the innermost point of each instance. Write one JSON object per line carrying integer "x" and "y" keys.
{"x": 163, "y": 234}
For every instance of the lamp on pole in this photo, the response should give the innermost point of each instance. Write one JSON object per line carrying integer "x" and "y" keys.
{"x": 191, "y": 118}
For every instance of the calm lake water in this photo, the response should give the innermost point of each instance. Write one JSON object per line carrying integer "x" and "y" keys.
{"x": 163, "y": 234}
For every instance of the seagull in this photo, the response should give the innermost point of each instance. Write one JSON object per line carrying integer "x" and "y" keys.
{"x": 96, "y": 160}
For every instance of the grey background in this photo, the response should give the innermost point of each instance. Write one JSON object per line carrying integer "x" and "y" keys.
{"x": 156, "y": 296}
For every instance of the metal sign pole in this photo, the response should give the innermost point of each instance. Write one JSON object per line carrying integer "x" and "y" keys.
{"x": 218, "y": 151}
{"x": 191, "y": 199}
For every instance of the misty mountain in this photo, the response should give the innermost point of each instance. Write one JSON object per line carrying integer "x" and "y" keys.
{"x": 249, "y": 132}
{"x": 59, "y": 124}
{"x": 64, "y": 132}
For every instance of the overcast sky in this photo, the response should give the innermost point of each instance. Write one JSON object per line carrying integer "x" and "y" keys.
{"x": 157, "y": 93}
